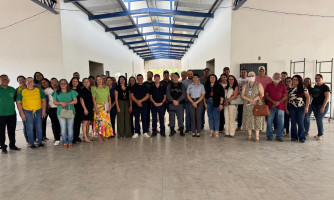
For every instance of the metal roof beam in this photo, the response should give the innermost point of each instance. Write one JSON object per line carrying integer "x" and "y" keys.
{"x": 159, "y": 40}
{"x": 154, "y": 24}
{"x": 157, "y": 33}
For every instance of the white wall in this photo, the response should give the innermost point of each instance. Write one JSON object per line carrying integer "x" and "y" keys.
{"x": 279, "y": 38}
{"x": 85, "y": 40}
{"x": 213, "y": 42}
{"x": 33, "y": 45}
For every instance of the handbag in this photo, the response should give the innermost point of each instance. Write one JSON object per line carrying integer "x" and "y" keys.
{"x": 237, "y": 101}
{"x": 261, "y": 110}
{"x": 66, "y": 113}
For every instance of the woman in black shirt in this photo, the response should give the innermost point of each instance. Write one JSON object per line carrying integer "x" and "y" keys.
{"x": 123, "y": 106}
{"x": 86, "y": 100}
{"x": 74, "y": 85}
{"x": 320, "y": 103}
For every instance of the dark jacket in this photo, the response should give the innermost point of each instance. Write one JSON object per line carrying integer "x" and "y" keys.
{"x": 218, "y": 92}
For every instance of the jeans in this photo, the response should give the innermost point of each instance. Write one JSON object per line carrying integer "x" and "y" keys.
{"x": 287, "y": 123}
{"x": 25, "y": 131}
{"x": 186, "y": 107}
{"x": 319, "y": 117}
{"x": 307, "y": 119}
{"x": 34, "y": 121}
{"x": 276, "y": 115}
{"x": 297, "y": 118}
{"x": 137, "y": 111}
{"x": 155, "y": 112}
{"x": 240, "y": 110}
{"x": 213, "y": 115}
{"x": 66, "y": 126}
{"x": 10, "y": 123}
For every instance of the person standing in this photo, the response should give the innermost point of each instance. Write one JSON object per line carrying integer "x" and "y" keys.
{"x": 183, "y": 76}
{"x": 91, "y": 80}
{"x": 320, "y": 103}
{"x": 307, "y": 120}
{"x": 276, "y": 95}
{"x": 132, "y": 82}
{"x": 195, "y": 96}
{"x": 203, "y": 81}
{"x": 165, "y": 82}
{"x": 289, "y": 88}
{"x": 65, "y": 99}
{"x": 31, "y": 103}
{"x": 241, "y": 82}
{"x": 139, "y": 95}
{"x": 111, "y": 82}
{"x": 214, "y": 95}
{"x": 38, "y": 77}
{"x": 227, "y": 72}
{"x": 223, "y": 81}
{"x": 252, "y": 93}
{"x": 297, "y": 107}
{"x": 263, "y": 78}
{"x": 158, "y": 98}
{"x": 45, "y": 86}
{"x": 53, "y": 111}
{"x": 77, "y": 75}
{"x": 86, "y": 100}
{"x": 186, "y": 83}
{"x": 230, "y": 110}
{"x": 176, "y": 93}
{"x": 149, "y": 83}
{"x": 7, "y": 114}
{"x": 22, "y": 84}
{"x": 74, "y": 85}
{"x": 284, "y": 75}
{"x": 102, "y": 102}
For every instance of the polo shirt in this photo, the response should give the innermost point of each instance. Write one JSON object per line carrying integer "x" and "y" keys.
{"x": 139, "y": 92}
{"x": 31, "y": 99}
{"x": 158, "y": 94}
{"x": 195, "y": 91}
{"x": 7, "y": 99}
{"x": 187, "y": 82}
{"x": 276, "y": 93}
{"x": 264, "y": 81}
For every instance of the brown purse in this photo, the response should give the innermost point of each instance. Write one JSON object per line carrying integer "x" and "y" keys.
{"x": 261, "y": 110}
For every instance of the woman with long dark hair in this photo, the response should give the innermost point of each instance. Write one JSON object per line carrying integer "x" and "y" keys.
{"x": 214, "y": 95}
{"x": 224, "y": 82}
{"x": 297, "y": 106}
{"x": 53, "y": 111}
{"x": 320, "y": 103}
{"x": 102, "y": 102}
{"x": 123, "y": 106}
{"x": 111, "y": 83}
{"x": 46, "y": 87}
{"x": 74, "y": 85}
{"x": 288, "y": 84}
{"x": 38, "y": 77}
{"x": 132, "y": 82}
{"x": 65, "y": 98}
{"x": 230, "y": 109}
{"x": 86, "y": 100}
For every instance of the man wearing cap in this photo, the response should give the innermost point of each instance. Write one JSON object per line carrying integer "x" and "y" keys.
{"x": 262, "y": 78}
{"x": 158, "y": 98}
{"x": 176, "y": 94}
{"x": 186, "y": 83}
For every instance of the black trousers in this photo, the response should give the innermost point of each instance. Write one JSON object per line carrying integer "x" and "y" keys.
{"x": 77, "y": 126}
{"x": 222, "y": 121}
{"x": 148, "y": 116}
{"x": 240, "y": 110}
{"x": 10, "y": 123}
{"x": 44, "y": 123}
{"x": 55, "y": 123}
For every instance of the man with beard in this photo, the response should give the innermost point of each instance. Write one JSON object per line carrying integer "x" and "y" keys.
{"x": 149, "y": 83}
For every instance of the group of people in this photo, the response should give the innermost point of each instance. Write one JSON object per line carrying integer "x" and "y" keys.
{"x": 98, "y": 101}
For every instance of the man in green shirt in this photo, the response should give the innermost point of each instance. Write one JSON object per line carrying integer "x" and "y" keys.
{"x": 7, "y": 114}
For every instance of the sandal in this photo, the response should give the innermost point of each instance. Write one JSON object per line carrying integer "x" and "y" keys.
{"x": 194, "y": 135}
{"x": 65, "y": 146}
{"x": 217, "y": 134}
{"x": 69, "y": 145}
{"x": 87, "y": 140}
{"x": 105, "y": 139}
{"x": 100, "y": 139}
{"x": 319, "y": 138}
{"x": 211, "y": 133}
{"x": 250, "y": 137}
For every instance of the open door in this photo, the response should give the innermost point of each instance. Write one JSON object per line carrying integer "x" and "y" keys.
{"x": 96, "y": 68}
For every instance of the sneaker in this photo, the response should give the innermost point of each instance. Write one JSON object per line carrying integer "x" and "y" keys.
{"x": 33, "y": 146}
{"x": 135, "y": 135}
{"x": 145, "y": 135}
{"x": 270, "y": 139}
{"x": 279, "y": 139}
{"x": 57, "y": 142}
{"x": 154, "y": 134}
{"x": 40, "y": 145}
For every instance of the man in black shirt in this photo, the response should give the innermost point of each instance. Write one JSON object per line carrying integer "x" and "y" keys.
{"x": 176, "y": 94}
{"x": 165, "y": 82}
{"x": 139, "y": 94}
{"x": 149, "y": 83}
{"x": 158, "y": 98}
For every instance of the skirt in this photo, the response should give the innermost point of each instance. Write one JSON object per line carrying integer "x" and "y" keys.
{"x": 102, "y": 123}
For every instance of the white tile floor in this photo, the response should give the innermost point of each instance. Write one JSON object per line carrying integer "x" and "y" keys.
{"x": 172, "y": 168}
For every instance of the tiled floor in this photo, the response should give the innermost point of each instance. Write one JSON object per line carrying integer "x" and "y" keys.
{"x": 172, "y": 168}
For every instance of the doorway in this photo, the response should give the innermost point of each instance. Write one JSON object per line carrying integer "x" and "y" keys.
{"x": 96, "y": 68}
{"x": 211, "y": 65}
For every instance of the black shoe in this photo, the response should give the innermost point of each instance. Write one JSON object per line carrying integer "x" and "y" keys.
{"x": 293, "y": 140}
{"x": 181, "y": 132}
{"x": 302, "y": 141}
{"x": 187, "y": 131}
{"x": 15, "y": 148}
{"x": 163, "y": 134}
{"x": 194, "y": 135}
{"x": 198, "y": 135}
{"x": 40, "y": 145}
{"x": 280, "y": 139}
{"x": 45, "y": 138}
{"x": 74, "y": 141}
{"x": 4, "y": 151}
{"x": 79, "y": 140}
{"x": 269, "y": 139}
{"x": 154, "y": 134}
{"x": 172, "y": 132}
{"x": 33, "y": 146}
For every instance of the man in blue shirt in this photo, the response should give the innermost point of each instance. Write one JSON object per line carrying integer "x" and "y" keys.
{"x": 139, "y": 95}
